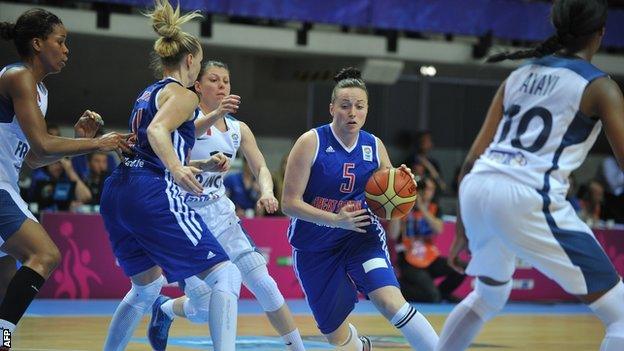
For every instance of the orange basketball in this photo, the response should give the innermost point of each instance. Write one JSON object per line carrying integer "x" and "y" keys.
{"x": 390, "y": 193}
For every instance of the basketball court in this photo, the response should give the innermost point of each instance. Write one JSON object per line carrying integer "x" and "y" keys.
{"x": 65, "y": 325}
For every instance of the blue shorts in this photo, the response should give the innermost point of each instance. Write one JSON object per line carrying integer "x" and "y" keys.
{"x": 13, "y": 212}
{"x": 149, "y": 225}
{"x": 331, "y": 279}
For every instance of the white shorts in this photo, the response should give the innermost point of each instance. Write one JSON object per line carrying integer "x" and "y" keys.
{"x": 13, "y": 212}
{"x": 220, "y": 217}
{"x": 505, "y": 219}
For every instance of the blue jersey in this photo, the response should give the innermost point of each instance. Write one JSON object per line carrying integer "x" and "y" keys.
{"x": 338, "y": 177}
{"x": 143, "y": 113}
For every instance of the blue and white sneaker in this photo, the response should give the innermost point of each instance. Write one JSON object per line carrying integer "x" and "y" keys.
{"x": 367, "y": 345}
{"x": 158, "y": 328}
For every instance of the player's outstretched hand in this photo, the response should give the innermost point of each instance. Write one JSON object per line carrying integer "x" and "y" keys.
{"x": 229, "y": 104}
{"x": 114, "y": 141}
{"x": 268, "y": 202}
{"x": 184, "y": 176}
{"x": 350, "y": 219}
{"x": 460, "y": 243}
{"x": 216, "y": 163}
{"x": 88, "y": 124}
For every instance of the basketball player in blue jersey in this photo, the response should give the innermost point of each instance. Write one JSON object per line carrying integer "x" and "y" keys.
{"x": 339, "y": 247}
{"x": 39, "y": 37}
{"x": 541, "y": 124}
{"x": 226, "y": 135}
{"x": 151, "y": 230}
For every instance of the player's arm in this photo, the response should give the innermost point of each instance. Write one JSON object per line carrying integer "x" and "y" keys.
{"x": 608, "y": 103}
{"x": 22, "y": 89}
{"x": 484, "y": 138}
{"x": 384, "y": 159}
{"x": 228, "y": 104}
{"x": 177, "y": 106}
{"x": 295, "y": 182}
{"x": 257, "y": 164}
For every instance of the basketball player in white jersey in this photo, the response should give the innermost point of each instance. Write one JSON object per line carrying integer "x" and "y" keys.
{"x": 39, "y": 37}
{"x": 541, "y": 124}
{"x": 217, "y": 131}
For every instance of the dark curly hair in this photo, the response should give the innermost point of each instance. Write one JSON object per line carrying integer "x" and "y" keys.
{"x": 34, "y": 23}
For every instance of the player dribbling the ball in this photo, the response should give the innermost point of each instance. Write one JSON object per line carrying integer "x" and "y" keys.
{"x": 339, "y": 246}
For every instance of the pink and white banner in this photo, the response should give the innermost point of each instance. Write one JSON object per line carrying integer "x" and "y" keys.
{"x": 88, "y": 269}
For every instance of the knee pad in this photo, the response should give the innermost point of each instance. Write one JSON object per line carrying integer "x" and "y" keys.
{"x": 488, "y": 300}
{"x": 226, "y": 279}
{"x": 196, "y": 307}
{"x": 256, "y": 278}
{"x": 610, "y": 310}
{"x": 142, "y": 297}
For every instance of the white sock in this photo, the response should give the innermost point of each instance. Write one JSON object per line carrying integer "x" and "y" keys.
{"x": 293, "y": 341}
{"x": 7, "y": 325}
{"x": 353, "y": 342}
{"x": 460, "y": 328}
{"x": 122, "y": 326}
{"x": 610, "y": 310}
{"x": 416, "y": 328}
{"x": 222, "y": 322}
{"x": 167, "y": 308}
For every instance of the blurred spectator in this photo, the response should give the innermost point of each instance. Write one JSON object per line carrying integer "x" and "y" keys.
{"x": 278, "y": 184}
{"x": 422, "y": 160}
{"x": 419, "y": 260}
{"x": 242, "y": 188}
{"x": 571, "y": 195}
{"x": 614, "y": 189}
{"x": 593, "y": 203}
{"x": 81, "y": 162}
{"x": 57, "y": 186}
{"x": 97, "y": 173}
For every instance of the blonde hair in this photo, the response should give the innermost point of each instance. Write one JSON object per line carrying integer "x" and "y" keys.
{"x": 173, "y": 43}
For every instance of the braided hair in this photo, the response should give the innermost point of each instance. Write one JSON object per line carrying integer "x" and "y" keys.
{"x": 574, "y": 21}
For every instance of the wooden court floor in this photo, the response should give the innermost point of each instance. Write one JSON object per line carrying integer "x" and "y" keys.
{"x": 508, "y": 332}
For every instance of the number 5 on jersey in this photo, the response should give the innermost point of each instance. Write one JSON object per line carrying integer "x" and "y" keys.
{"x": 349, "y": 183}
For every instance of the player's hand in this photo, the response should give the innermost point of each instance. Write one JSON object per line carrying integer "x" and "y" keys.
{"x": 229, "y": 104}
{"x": 216, "y": 163}
{"x": 460, "y": 243}
{"x": 114, "y": 141}
{"x": 268, "y": 202}
{"x": 184, "y": 176}
{"x": 408, "y": 170}
{"x": 350, "y": 219}
{"x": 88, "y": 124}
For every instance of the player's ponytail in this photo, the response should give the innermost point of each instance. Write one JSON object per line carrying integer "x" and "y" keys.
{"x": 349, "y": 77}
{"x": 574, "y": 20}
{"x": 34, "y": 23}
{"x": 173, "y": 43}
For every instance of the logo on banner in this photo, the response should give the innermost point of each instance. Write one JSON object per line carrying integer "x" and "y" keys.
{"x": 367, "y": 152}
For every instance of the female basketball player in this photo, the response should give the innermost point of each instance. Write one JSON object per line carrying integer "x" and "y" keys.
{"x": 152, "y": 231}
{"x": 541, "y": 124}
{"x": 226, "y": 136}
{"x": 339, "y": 248}
{"x": 39, "y": 37}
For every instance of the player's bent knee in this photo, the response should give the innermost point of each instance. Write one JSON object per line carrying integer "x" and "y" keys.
{"x": 257, "y": 279}
{"x": 226, "y": 278}
{"x": 610, "y": 310}
{"x": 488, "y": 300}
{"x": 142, "y": 297}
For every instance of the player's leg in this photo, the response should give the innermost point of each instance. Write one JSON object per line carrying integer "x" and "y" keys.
{"x": 8, "y": 268}
{"x": 145, "y": 289}
{"x": 255, "y": 275}
{"x": 330, "y": 294}
{"x": 567, "y": 252}
{"x": 491, "y": 261}
{"x": 370, "y": 268}
{"x": 23, "y": 238}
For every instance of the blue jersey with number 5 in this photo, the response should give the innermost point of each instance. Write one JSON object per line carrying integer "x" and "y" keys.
{"x": 338, "y": 176}
{"x": 543, "y": 136}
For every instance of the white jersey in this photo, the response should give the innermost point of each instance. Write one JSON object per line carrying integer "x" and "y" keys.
{"x": 212, "y": 142}
{"x": 543, "y": 136}
{"x": 13, "y": 143}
